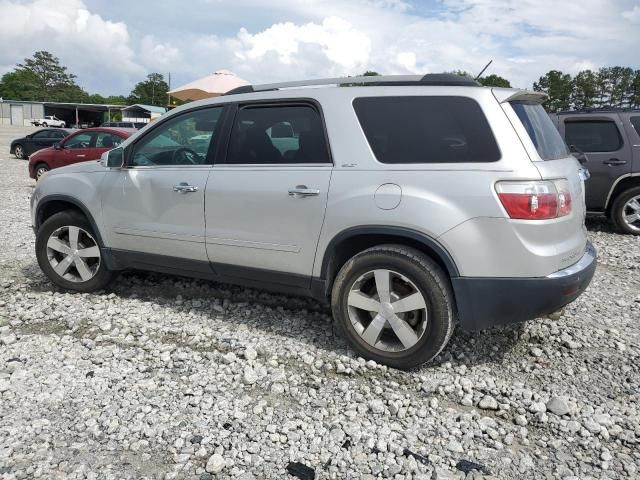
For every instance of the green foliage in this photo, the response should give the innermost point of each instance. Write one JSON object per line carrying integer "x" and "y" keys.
{"x": 52, "y": 80}
{"x": 558, "y": 86}
{"x": 19, "y": 85}
{"x": 494, "y": 80}
{"x": 370, "y": 73}
{"x": 609, "y": 87}
{"x": 152, "y": 91}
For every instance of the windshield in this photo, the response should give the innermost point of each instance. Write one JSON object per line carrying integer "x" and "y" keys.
{"x": 541, "y": 130}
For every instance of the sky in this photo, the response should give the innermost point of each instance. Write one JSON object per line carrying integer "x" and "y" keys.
{"x": 112, "y": 44}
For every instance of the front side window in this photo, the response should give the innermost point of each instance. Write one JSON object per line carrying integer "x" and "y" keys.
{"x": 541, "y": 130}
{"x": 181, "y": 140}
{"x": 278, "y": 134}
{"x": 108, "y": 140}
{"x": 593, "y": 136}
{"x": 82, "y": 140}
{"x": 57, "y": 134}
{"x": 426, "y": 129}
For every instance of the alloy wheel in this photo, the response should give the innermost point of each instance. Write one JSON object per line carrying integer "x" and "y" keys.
{"x": 73, "y": 254}
{"x": 19, "y": 151}
{"x": 41, "y": 171}
{"x": 631, "y": 213}
{"x": 387, "y": 310}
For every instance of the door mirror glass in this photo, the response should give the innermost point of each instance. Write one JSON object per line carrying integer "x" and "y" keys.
{"x": 115, "y": 158}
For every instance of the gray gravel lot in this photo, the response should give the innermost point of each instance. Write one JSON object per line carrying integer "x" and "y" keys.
{"x": 167, "y": 377}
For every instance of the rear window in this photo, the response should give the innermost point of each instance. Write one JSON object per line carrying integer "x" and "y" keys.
{"x": 593, "y": 135}
{"x": 426, "y": 129}
{"x": 541, "y": 130}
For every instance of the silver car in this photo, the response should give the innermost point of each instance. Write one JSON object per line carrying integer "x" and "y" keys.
{"x": 410, "y": 203}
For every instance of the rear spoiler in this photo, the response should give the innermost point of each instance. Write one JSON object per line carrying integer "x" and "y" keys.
{"x": 505, "y": 95}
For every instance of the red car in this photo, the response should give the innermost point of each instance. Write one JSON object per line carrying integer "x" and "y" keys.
{"x": 81, "y": 146}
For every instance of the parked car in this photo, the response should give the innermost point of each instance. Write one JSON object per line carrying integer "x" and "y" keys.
{"x": 25, "y": 146}
{"x": 411, "y": 204}
{"x": 49, "y": 121}
{"x": 611, "y": 141}
{"x": 136, "y": 125}
{"x": 81, "y": 146}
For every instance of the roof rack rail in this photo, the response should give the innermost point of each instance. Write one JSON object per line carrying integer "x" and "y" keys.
{"x": 431, "y": 79}
{"x": 601, "y": 110}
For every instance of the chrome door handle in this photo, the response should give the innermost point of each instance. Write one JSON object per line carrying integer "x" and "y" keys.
{"x": 303, "y": 191}
{"x": 184, "y": 187}
{"x": 614, "y": 161}
{"x": 80, "y": 156}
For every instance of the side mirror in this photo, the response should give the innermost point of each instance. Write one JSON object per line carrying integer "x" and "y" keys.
{"x": 29, "y": 136}
{"x": 579, "y": 154}
{"x": 113, "y": 158}
{"x": 57, "y": 146}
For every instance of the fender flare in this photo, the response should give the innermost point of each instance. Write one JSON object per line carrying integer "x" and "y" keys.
{"x": 426, "y": 240}
{"x": 75, "y": 202}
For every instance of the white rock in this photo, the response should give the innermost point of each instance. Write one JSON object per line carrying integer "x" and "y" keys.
{"x": 215, "y": 464}
{"x": 558, "y": 406}
{"x": 250, "y": 353}
{"x": 488, "y": 403}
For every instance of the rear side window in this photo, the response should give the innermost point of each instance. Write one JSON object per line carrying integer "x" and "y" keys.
{"x": 278, "y": 134}
{"x": 635, "y": 121}
{"x": 593, "y": 136}
{"x": 426, "y": 129}
{"x": 541, "y": 130}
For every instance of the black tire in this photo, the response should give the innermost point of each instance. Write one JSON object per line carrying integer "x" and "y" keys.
{"x": 431, "y": 282}
{"x": 40, "y": 169}
{"x": 44, "y": 124}
{"x": 102, "y": 277}
{"x": 618, "y": 211}
{"x": 20, "y": 152}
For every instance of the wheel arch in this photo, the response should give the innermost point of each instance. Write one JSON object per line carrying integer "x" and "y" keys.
{"x": 354, "y": 240}
{"x": 52, "y": 204}
{"x": 622, "y": 184}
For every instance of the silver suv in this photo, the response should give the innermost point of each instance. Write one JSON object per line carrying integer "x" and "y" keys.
{"x": 410, "y": 203}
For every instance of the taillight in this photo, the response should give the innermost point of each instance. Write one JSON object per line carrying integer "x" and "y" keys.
{"x": 535, "y": 200}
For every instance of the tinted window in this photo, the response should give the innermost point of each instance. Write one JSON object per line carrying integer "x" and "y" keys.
{"x": 278, "y": 134}
{"x": 58, "y": 134}
{"x": 593, "y": 136}
{"x": 82, "y": 140}
{"x": 635, "y": 121}
{"x": 181, "y": 140}
{"x": 41, "y": 135}
{"x": 426, "y": 129}
{"x": 541, "y": 130}
{"x": 108, "y": 140}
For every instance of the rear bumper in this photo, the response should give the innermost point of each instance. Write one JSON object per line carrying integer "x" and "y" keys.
{"x": 485, "y": 302}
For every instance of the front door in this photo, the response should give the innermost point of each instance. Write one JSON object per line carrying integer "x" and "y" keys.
{"x": 609, "y": 156}
{"x": 266, "y": 199}
{"x": 155, "y": 205}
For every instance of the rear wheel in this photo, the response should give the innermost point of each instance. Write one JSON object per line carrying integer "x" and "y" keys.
{"x": 19, "y": 152}
{"x": 69, "y": 255}
{"x": 394, "y": 305}
{"x": 41, "y": 169}
{"x": 625, "y": 211}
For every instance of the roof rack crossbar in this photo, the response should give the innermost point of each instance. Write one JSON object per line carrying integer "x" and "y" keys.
{"x": 433, "y": 79}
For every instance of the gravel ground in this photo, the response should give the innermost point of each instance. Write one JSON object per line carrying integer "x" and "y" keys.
{"x": 167, "y": 377}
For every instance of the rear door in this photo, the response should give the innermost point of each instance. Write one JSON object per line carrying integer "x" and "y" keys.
{"x": 602, "y": 138}
{"x": 39, "y": 140}
{"x": 632, "y": 124}
{"x": 266, "y": 199}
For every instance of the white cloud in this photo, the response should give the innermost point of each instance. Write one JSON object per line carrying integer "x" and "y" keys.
{"x": 343, "y": 46}
{"x": 632, "y": 15}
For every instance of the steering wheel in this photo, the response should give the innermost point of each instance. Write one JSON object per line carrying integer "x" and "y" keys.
{"x": 179, "y": 156}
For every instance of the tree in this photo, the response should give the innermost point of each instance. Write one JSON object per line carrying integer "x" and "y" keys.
{"x": 494, "y": 80}
{"x": 19, "y": 85}
{"x": 152, "y": 91}
{"x": 370, "y": 73}
{"x": 52, "y": 79}
{"x": 558, "y": 86}
{"x": 584, "y": 90}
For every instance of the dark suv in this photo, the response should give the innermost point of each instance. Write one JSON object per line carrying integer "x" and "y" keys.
{"x": 611, "y": 141}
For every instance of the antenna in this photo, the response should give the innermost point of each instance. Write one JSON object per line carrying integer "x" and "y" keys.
{"x": 482, "y": 71}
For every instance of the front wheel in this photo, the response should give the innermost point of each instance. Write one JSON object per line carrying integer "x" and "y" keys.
{"x": 41, "y": 169}
{"x": 44, "y": 124}
{"x": 69, "y": 255}
{"x": 625, "y": 211}
{"x": 19, "y": 152}
{"x": 394, "y": 305}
